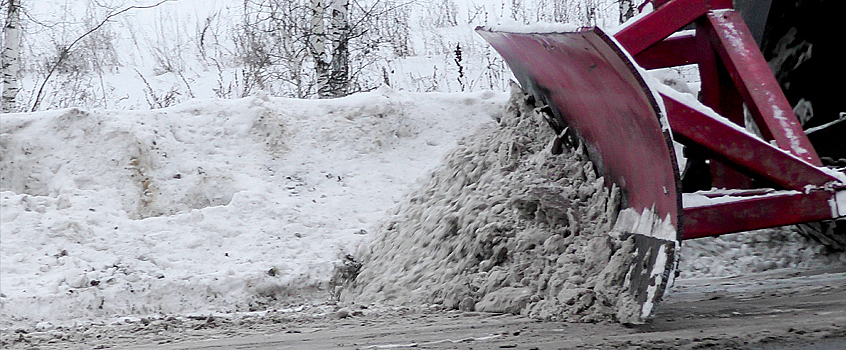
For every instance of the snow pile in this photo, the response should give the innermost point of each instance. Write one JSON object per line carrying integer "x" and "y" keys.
{"x": 506, "y": 226}
{"x": 503, "y": 225}
{"x": 222, "y": 205}
{"x": 754, "y": 251}
{"x": 209, "y": 206}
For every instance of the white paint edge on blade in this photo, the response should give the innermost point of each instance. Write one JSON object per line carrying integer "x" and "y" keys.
{"x": 646, "y": 223}
{"x": 657, "y": 273}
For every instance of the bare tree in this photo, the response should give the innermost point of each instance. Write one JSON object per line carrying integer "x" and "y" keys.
{"x": 10, "y": 65}
{"x": 626, "y": 10}
{"x": 64, "y": 51}
{"x": 274, "y": 45}
{"x": 561, "y": 11}
{"x": 322, "y": 48}
{"x": 317, "y": 46}
{"x": 444, "y": 13}
{"x": 341, "y": 32}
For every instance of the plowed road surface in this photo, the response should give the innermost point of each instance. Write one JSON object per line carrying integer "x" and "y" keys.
{"x": 777, "y": 310}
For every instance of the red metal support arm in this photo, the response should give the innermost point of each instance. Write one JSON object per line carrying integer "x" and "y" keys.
{"x": 756, "y": 213}
{"x": 741, "y": 149}
{"x": 715, "y": 3}
{"x": 667, "y": 18}
{"x": 756, "y": 83}
{"x": 677, "y": 50}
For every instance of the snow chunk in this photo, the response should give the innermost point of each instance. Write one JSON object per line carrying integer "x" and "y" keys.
{"x": 840, "y": 203}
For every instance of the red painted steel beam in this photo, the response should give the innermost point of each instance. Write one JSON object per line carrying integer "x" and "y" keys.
{"x": 718, "y": 89}
{"x": 755, "y": 213}
{"x": 741, "y": 149}
{"x": 663, "y": 21}
{"x": 717, "y": 3}
{"x": 719, "y": 93}
{"x": 756, "y": 83}
{"x": 671, "y": 52}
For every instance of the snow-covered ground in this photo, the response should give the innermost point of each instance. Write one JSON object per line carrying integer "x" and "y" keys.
{"x": 218, "y": 205}
{"x": 215, "y": 206}
{"x": 208, "y": 206}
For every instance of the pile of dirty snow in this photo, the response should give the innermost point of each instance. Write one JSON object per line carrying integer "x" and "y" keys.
{"x": 219, "y": 206}
{"x": 753, "y": 252}
{"x": 504, "y": 225}
{"x": 208, "y": 206}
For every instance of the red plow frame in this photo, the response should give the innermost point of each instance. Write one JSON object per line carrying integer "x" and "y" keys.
{"x": 769, "y": 182}
{"x": 733, "y": 73}
{"x": 593, "y": 88}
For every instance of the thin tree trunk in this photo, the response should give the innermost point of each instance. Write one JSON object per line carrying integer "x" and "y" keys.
{"x": 626, "y": 10}
{"x": 340, "y": 31}
{"x": 10, "y": 65}
{"x": 317, "y": 41}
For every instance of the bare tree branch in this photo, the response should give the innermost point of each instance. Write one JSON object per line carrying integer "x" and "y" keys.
{"x": 65, "y": 51}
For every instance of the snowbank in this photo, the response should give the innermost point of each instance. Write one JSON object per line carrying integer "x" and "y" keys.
{"x": 209, "y": 206}
{"x": 236, "y": 205}
{"x": 504, "y": 225}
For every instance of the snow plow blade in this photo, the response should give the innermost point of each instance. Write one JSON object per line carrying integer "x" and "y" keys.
{"x": 595, "y": 93}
